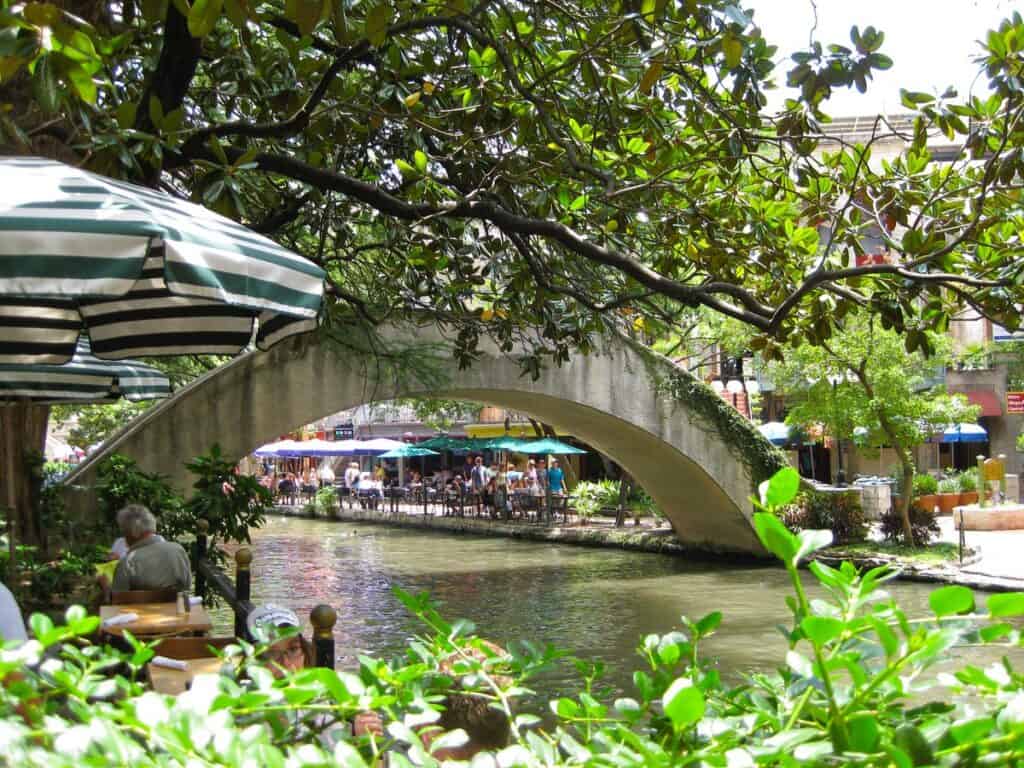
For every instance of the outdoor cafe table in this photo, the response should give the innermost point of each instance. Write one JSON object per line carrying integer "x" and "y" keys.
{"x": 157, "y": 619}
{"x": 175, "y": 681}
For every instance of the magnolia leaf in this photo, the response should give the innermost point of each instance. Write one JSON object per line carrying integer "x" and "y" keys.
{"x": 377, "y": 21}
{"x": 1009, "y": 604}
{"x": 781, "y": 488}
{"x": 821, "y": 629}
{"x": 203, "y": 17}
{"x": 650, "y": 77}
{"x": 45, "y": 87}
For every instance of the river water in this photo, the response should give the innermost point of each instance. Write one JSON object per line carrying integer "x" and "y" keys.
{"x": 596, "y": 603}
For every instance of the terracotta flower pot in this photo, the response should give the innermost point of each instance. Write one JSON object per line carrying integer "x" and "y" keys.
{"x": 947, "y": 501}
{"x": 968, "y": 497}
{"x": 927, "y": 501}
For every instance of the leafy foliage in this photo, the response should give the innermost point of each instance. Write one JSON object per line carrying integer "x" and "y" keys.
{"x": 590, "y": 497}
{"x": 120, "y": 481}
{"x": 839, "y": 513}
{"x": 540, "y": 173}
{"x": 922, "y": 522}
{"x": 925, "y": 484}
{"x": 848, "y": 692}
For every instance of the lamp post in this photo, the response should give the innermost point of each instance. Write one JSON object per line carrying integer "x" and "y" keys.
{"x": 834, "y": 380}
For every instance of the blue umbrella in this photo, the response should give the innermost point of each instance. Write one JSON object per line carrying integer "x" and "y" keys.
{"x": 964, "y": 433}
{"x": 775, "y": 432}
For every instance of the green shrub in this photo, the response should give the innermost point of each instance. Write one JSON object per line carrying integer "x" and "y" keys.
{"x": 840, "y": 692}
{"x": 840, "y": 513}
{"x": 326, "y": 499}
{"x": 925, "y": 484}
{"x": 120, "y": 481}
{"x": 968, "y": 480}
{"x": 923, "y": 526}
{"x": 949, "y": 485}
{"x": 588, "y": 498}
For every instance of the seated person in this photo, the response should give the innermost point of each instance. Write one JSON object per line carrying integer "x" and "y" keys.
{"x": 486, "y": 727}
{"x": 12, "y": 625}
{"x": 290, "y": 654}
{"x": 151, "y": 562}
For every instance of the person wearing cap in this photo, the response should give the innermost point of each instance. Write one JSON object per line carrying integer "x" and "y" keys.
{"x": 288, "y": 654}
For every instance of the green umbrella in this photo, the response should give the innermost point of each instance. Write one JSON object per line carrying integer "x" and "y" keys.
{"x": 548, "y": 445}
{"x": 145, "y": 273}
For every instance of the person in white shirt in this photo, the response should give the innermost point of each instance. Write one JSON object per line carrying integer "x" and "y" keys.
{"x": 326, "y": 476}
{"x": 12, "y": 625}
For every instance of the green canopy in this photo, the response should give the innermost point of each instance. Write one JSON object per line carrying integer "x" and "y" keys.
{"x": 406, "y": 452}
{"x": 548, "y": 445}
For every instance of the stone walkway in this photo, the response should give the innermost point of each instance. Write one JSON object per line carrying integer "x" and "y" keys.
{"x": 1002, "y": 557}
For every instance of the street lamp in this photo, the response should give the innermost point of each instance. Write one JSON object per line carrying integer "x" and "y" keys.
{"x": 834, "y": 379}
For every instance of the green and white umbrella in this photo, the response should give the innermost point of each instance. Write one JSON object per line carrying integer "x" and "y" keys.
{"x": 145, "y": 273}
{"x": 85, "y": 379}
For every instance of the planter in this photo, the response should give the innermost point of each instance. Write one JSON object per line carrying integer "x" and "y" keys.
{"x": 968, "y": 497}
{"x": 927, "y": 501}
{"x": 947, "y": 501}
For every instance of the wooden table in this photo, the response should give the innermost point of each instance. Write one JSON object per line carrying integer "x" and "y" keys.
{"x": 174, "y": 681}
{"x": 157, "y": 619}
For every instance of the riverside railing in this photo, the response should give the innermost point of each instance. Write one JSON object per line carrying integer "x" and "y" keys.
{"x": 238, "y": 595}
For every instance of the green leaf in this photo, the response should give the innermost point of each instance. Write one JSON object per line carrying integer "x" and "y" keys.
{"x": 811, "y": 541}
{"x": 41, "y": 625}
{"x": 970, "y": 731}
{"x": 733, "y": 50}
{"x": 126, "y": 114}
{"x": 774, "y": 536}
{"x": 44, "y": 86}
{"x": 1008, "y": 604}
{"x": 83, "y": 84}
{"x": 951, "y": 600}
{"x": 305, "y": 13}
{"x": 154, "y": 11}
{"x": 821, "y": 629}
{"x": 156, "y": 114}
{"x": 650, "y": 76}
{"x": 377, "y": 21}
{"x": 683, "y": 703}
{"x": 203, "y": 17}
{"x": 408, "y": 171}
{"x": 420, "y": 159}
{"x": 781, "y": 488}
{"x": 709, "y": 623}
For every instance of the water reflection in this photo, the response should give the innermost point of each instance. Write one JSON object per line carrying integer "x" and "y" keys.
{"x": 597, "y": 603}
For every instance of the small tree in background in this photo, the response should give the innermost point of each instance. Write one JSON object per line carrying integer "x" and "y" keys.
{"x": 881, "y": 385}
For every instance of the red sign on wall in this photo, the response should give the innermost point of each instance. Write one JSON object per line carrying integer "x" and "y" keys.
{"x": 1015, "y": 402}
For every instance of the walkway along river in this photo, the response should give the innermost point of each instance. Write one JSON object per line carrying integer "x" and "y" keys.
{"x": 596, "y": 603}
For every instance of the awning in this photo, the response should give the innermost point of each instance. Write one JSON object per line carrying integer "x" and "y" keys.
{"x": 989, "y": 402}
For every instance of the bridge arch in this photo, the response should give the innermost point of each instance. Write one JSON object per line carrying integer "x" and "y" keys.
{"x": 693, "y": 454}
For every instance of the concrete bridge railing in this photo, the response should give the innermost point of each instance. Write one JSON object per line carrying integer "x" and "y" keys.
{"x": 693, "y": 454}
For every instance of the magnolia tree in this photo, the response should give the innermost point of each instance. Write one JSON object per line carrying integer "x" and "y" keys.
{"x": 865, "y": 377}
{"x": 537, "y": 172}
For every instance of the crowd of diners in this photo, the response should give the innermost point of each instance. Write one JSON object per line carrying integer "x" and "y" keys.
{"x": 492, "y": 486}
{"x": 148, "y": 565}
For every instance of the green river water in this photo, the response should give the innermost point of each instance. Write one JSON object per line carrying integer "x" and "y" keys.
{"x": 596, "y": 603}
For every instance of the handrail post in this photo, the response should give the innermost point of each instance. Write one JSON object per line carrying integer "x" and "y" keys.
{"x": 243, "y": 586}
{"x": 199, "y": 554}
{"x": 323, "y": 618}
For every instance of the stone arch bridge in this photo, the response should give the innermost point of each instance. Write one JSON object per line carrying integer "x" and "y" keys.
{"x": 694, "y": 455}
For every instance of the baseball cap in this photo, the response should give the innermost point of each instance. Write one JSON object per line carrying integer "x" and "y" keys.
{"x": 264, "y": 620}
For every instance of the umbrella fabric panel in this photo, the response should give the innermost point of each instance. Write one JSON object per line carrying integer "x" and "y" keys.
{"x": 408, "y": 451}
{"x": 965, "y": 433}
{"x": 548, "y": 445}
{"x": 148, "y": 273}
{"x": 84, "y": 379}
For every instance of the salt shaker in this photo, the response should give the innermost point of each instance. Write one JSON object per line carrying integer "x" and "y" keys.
{"x": 182, "y": 603}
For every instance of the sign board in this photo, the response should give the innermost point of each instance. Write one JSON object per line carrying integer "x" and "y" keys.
{"x": 1015, "y": 402}
{"x": 345, "y": 431}
{"x": 1001, "y": 334}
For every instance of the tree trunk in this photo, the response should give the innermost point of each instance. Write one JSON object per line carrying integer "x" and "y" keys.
{"x": 22, "y": 441}
{"x": 908, "y": 491}
{"x": 625, "y": 486}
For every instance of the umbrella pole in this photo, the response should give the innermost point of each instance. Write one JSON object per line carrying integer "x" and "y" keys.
{"x": 423, "y": 482}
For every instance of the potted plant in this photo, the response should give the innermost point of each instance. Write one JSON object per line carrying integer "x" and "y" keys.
{"x": 926, "y": 491}
{"x": 949, "y": 495}
{"x": 968, "y": 482}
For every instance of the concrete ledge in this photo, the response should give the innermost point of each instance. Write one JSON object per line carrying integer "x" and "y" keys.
{"x": 1005, "y": 517}
{"x": 657, "y": 540}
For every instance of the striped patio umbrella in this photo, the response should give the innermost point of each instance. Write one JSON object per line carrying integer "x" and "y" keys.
{"x": 85, "y": 379}
{"x": 144, "y": 272}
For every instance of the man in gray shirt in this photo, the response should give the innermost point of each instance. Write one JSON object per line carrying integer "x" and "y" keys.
{"x": 151, "y": 562}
